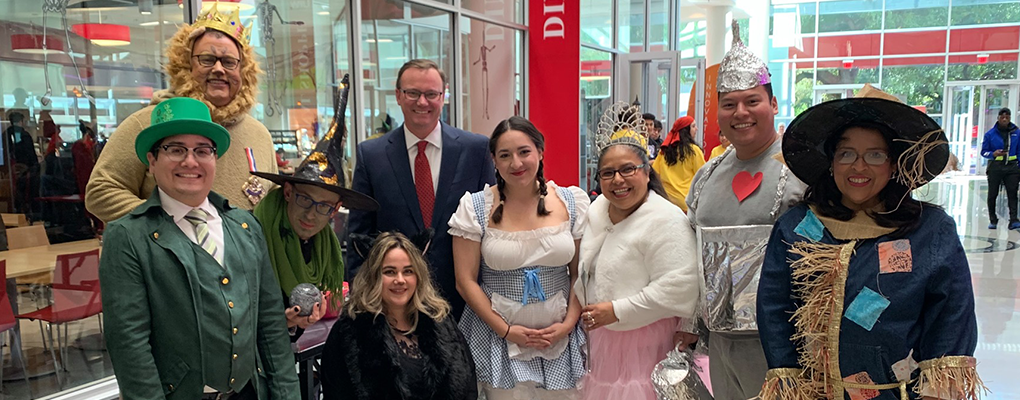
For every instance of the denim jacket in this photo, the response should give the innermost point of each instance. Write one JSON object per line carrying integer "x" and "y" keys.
{"x": 905, "y": 300}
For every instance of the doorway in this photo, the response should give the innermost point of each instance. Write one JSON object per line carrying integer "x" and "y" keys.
{"x": 971, "y": 109}
{"x": 663, "y": 84}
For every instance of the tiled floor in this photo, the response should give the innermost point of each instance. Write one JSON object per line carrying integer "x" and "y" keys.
{"x": 994, "y": 257}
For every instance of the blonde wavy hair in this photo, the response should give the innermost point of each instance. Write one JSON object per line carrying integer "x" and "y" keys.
{"x": 366, "y": 290}
{"x": 178, "y": 68}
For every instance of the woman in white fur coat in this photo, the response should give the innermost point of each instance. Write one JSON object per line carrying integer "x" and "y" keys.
{"x": 638, "y": 278}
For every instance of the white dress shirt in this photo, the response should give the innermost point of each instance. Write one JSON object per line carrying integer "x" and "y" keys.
{"x": 434, "y": 151}
{"x": 178, "y": 210}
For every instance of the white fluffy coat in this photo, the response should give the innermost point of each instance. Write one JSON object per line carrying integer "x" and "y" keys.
{"x": 647, "y": 264}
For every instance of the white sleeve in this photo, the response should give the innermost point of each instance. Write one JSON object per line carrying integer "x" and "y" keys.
{"x": 673, "y": 288}
{"x": 581, "y": 204}
{"x": 464, "y": 223}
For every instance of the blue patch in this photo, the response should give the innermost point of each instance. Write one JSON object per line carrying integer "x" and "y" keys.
{"x": 810, "y": 227}
{"x": 866, "y": 308}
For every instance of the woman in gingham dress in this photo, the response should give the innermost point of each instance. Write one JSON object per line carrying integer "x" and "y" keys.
{"x": 515, "y": 254}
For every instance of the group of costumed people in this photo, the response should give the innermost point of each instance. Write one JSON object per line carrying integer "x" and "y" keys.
{"x": 806, "y": 279}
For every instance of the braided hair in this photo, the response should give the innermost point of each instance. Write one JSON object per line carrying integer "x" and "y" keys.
{"x": 524, "y": 126}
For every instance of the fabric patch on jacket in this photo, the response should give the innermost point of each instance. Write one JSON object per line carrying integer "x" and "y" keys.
{"x": 895, "y": 256}
{"x": 866, "y": 308}
{"x": 861, "y": 394}
{"x": 905, "y": 367}
{"x": 810, "y": 227}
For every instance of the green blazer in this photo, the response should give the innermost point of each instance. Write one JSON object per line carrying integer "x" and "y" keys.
{"x": 156, "y": 290}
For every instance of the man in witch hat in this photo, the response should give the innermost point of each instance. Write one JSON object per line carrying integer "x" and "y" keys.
{"x": 192, "y": 304}
{"x": 734, "y": 201}
{"x": 295, "y": 219}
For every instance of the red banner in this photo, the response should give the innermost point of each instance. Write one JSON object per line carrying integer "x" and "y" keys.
{"x": 711, "y": 133}
{"x": 554, "y": 75}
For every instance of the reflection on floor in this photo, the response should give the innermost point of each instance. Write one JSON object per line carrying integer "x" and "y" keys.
{"x": 86, "y": 361}
{"x": 994, "y": 257}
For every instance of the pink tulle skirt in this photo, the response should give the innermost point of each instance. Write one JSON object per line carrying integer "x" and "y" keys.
{"x": 622, "y": 362}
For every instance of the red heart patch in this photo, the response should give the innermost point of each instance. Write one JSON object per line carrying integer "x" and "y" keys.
{"x": 744, "y": 184}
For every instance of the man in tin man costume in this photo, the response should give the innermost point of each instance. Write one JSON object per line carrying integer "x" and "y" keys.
{"x": 734, "y": 201}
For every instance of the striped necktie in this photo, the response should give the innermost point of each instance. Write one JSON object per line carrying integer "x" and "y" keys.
{"x": 197, "y": 218}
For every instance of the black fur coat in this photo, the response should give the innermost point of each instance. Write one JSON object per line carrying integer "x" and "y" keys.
{"x": 360, "y": 361}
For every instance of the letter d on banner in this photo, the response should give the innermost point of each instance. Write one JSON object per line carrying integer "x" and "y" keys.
{"x": 554, "y": 76}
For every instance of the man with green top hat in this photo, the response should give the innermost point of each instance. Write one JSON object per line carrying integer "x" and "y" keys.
{"x": 191, "y": 301}
{"x": 295, "y": 219}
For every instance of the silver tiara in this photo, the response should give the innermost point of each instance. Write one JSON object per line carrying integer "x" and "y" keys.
{"x": 621, "y": 123}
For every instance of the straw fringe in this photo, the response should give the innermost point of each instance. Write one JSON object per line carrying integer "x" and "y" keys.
{"x": 815, "y": 276}
{"x": 787, "y": 384}
{"x": 911, "y": 168}
{"x": 953, "y": 377}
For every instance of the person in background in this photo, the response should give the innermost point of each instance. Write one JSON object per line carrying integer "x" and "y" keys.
{"x": 638, "y": 291}
{"x": 734, "y": 201}
{"x": 418, "y": 172}
{"x": 680, "y": 158}
{"x": 51, "y": 131}
{"x": 724, "y": 143}
{"x": 1000, "y": 146}
{"x": 192, "y": 307}
{"x": 25, "y": 161}
{"x": 653, "y": 127}
{"x": 515, "y": 252}
{"x": 212, "y": 61}
{"x": 893, "y": 267}
{"x": 83, "y": 153}
{"x": 396, "y": 338}
{"x": 781, "y": 129}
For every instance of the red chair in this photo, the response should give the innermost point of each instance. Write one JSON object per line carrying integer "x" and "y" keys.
{"x": 76, "y": 296}
{"x": 7, "y": 324}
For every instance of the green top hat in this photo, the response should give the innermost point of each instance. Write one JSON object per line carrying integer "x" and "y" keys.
{"x": 181, "y": 116}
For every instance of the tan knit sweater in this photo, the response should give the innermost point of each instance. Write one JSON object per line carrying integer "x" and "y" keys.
{"x": 120, "y": 182}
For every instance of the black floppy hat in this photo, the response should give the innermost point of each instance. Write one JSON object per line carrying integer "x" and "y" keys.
{"x": 913, "y": 132}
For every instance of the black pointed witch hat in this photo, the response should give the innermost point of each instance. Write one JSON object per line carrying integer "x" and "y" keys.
{"x": 324, "y": 166}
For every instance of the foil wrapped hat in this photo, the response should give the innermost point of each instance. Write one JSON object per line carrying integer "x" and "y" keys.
{"x": 324, "y": 166}
{"x": 621, "y": 123}
{"x": 740, "y": 68}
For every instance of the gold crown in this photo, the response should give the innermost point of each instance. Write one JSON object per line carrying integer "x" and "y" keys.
{"x": 229, "y": 24}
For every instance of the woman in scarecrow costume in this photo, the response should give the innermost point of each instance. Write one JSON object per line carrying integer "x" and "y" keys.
{"x": 861, "y": 279}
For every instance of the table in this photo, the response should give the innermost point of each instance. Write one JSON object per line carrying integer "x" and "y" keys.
{"x": 307, "y": 352}
{"x": 31, "y": 261}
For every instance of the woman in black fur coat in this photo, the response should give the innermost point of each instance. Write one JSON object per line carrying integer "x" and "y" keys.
{"x": 395, "y": 339}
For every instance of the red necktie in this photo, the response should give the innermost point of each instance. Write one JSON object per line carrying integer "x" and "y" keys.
{"x": 423, "y": 184}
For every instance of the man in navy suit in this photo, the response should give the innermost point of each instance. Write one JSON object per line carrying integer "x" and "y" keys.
{"x": 418, "y": 172}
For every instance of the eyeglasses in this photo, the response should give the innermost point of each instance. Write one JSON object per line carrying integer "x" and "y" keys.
{"x": 847, "y": 157}
{"x": 209, "y": 60}
{"x": 321, "y": 207}
{"x": 415, "y": 94}
{"x": 178, "y": 153}
{"x": 607, "y": 174}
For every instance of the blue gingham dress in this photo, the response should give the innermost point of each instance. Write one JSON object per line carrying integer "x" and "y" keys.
{"x": 493, "y": 366}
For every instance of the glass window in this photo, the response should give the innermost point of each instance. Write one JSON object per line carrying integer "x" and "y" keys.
{"x": 975, "y": 12}
{"x": 596, "y": 96}
{"x": 792, "y": 19}
{"x": 692, "y": 39}
{"x": 507, "y": 10}
{"x": 915, "y": 42}
{"x": 851, "y": 15}
{"x": 387, "y": 43}
{"x": 792, "y": 86}
{"x": 901, "y": 14}
{"x": 597, "y": 22}
{"x": 850, "y": 46}
{"x": 492, "y": 68}
{"x": 984, "y": 39}
{"x": 917, "y": 81}
{"x": 862, "y": 71}
{"x": 970, "y": 68}
{"x": 631, "y": 14}
{"x": 99, "y": 66}
{"x": 658, "y": 32}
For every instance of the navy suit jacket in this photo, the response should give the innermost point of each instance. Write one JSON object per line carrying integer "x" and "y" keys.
{"x": 384, "y": 172}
